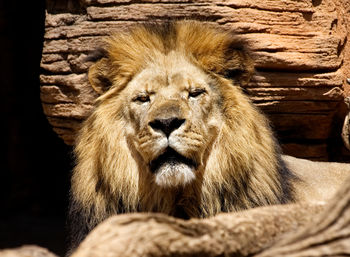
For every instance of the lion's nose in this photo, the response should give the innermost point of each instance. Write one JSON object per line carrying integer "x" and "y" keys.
{"x": 167, "y": 125}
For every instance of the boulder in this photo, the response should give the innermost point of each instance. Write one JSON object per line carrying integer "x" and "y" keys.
{"x": 282, "y": 230}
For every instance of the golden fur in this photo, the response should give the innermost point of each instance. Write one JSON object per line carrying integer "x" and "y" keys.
{"x": 193, "y": 72}
{"x": 317, "y": 181}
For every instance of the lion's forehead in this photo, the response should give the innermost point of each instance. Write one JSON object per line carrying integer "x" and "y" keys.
{"x": 178, "y": 74}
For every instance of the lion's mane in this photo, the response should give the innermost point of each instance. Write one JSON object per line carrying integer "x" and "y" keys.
{"x": 244, "y": 168}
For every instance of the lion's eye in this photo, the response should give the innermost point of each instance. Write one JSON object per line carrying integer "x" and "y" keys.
{"x": 142, "y": 98}
{"x": 196, "y": 92}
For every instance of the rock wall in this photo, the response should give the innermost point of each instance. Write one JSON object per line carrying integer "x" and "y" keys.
{"x": 299, "y": 46}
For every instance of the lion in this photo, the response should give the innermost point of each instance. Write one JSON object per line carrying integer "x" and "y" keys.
{"x": 173, "y": 132}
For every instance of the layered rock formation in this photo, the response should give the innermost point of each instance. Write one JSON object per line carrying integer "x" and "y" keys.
{"x": 300, "y": 49}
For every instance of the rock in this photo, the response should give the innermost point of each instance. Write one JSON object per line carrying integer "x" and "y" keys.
{"x": 300, "y": 50}
{"x": 282, "y": 230}
{"x": 27, "y": 251}
{"x": 229, "y": 234}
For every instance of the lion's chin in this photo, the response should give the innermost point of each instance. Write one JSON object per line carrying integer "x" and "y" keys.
{"x": 172, "y": 169}
{"x": 174, "y": 175}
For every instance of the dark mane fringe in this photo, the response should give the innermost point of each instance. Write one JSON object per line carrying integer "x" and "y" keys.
{"x": 96, "y": 55}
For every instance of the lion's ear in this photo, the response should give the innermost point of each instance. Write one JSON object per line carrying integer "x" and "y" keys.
{"x": 99, "y": 76}
{"x": 238, "y": 66}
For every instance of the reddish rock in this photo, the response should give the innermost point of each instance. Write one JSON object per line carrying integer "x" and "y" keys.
{"x": 300, "y": 49}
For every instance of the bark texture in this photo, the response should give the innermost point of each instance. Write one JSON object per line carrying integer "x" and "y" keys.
{"x": 300, "y": 48}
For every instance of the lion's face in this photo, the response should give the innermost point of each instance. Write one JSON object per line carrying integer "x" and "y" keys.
{"x": 167, "y": 91}
{"x": 172, "y": 106}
